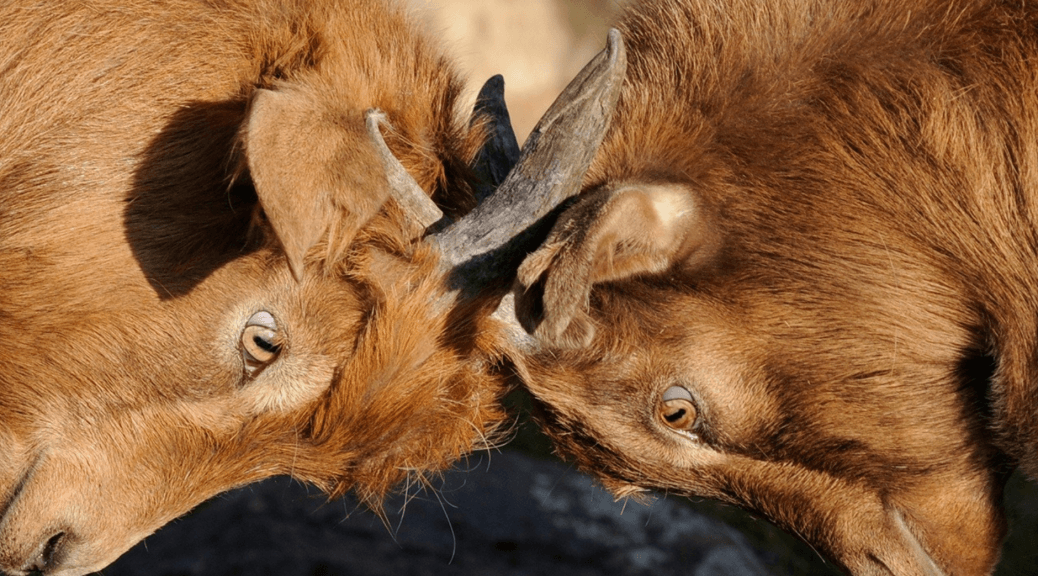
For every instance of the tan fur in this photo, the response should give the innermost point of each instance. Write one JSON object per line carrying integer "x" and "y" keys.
{"x": 613, "y": 233}
{"x": 861, "y": 338}
{"x": 161, "y": 162}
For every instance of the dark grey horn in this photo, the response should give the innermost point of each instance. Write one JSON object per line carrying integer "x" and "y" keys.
{"x": 487, "y": 245}
{"x": 403, "y": 188}
{"x": 501, "y": 151}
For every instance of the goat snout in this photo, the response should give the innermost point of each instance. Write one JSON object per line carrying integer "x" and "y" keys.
{"x": 44, "y": 557}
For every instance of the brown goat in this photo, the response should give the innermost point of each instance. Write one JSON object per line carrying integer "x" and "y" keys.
{"x": 202, "y": 283}
{"x": 802, "y": 276}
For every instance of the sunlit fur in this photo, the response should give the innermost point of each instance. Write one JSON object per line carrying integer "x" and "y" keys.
{"x": 861, "y": 341}
{"x": 133, "y": 250}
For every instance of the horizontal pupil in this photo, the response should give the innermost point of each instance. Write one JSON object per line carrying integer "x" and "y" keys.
{"x": 675, "y": 416}
{"x": 266, "y": 345}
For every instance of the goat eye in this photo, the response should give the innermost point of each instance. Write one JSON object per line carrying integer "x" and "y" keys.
{"x": 260, "y": 342}
{"x": 677, "y": 410}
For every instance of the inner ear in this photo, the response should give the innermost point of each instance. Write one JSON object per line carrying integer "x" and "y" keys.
{"x": 611, "y": 233}
{"x": 643, "y": 229}
{"x": 312, "y": 166}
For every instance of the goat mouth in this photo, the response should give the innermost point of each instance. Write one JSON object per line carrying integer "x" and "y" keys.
{"x": 9, "y": 496}
{"x": 915, "y": 550}
{"x": 892, "y": 548}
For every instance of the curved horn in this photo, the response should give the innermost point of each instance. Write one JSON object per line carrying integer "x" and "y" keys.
{"x": 402, "y": 187}
{"x": 501, "y": 151}
{"x": 486, "y": 246}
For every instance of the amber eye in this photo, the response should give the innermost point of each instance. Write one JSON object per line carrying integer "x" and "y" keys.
{"x": 676, "y": 409}
{"x": 260, "y": 342}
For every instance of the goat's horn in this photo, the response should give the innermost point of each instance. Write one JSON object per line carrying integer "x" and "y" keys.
{"x": 501, "y": 151}
{"x": 402, "y": 187}
{"x": 487, "y": 245}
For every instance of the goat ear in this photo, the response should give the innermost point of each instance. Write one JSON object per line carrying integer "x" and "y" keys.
{"x": 311, "y": 168}
{"x": 610, "y": 234}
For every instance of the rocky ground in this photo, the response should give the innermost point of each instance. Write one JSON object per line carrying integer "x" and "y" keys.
{"x": 505, "y": 514}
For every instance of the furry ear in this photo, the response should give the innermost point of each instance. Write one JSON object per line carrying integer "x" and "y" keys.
{"x": 609, "y": 234}
{"x": 312, "y": 167}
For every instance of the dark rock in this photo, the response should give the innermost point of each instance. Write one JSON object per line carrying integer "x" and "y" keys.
{"x": 506, "y": 514}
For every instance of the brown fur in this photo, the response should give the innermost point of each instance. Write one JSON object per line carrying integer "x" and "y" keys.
{"x": 853, "y": 300}
{"x": 147, "y": 211}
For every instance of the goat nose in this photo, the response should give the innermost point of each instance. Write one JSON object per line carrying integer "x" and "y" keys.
{"x": 48, "y": 555}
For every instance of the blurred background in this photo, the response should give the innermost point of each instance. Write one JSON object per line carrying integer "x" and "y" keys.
{"x": 537, "y": 45}
{"x": 515, "y": 511}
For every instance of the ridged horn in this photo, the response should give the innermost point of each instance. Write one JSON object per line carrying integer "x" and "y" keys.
{"x": 402, "y": 187}
{"x": 486, "y": 246}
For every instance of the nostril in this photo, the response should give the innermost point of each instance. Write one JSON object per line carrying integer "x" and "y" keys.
{"x": 48, "y": 556}
{"x": 51, "y": 549}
